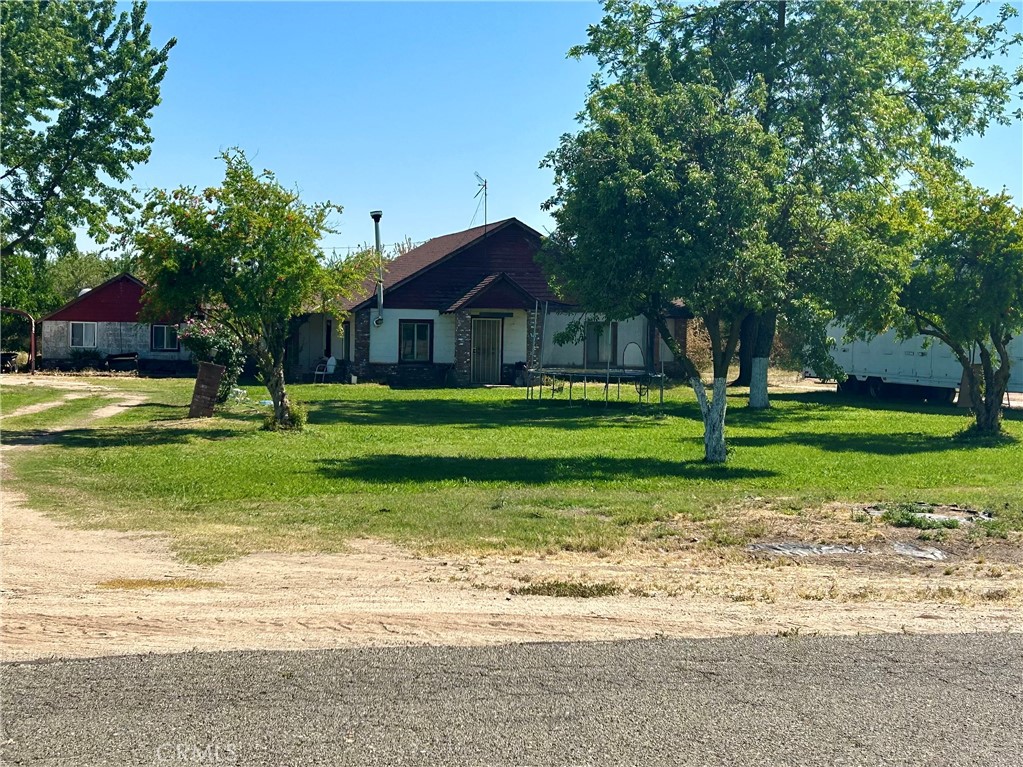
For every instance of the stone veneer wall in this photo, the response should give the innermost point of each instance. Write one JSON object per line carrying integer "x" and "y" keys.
{"x": 111, "y": 338}
{"x": 360, "y": 343}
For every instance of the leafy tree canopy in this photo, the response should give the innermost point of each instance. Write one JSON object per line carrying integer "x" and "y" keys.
{"x": 80, "y": 82}
{"x": 856, "y": 91}
{"x": 860, "y": 94}
{"x": 246, "y": 255}
{"x": 966, "y": 284}
{"x": 664, "y": 195}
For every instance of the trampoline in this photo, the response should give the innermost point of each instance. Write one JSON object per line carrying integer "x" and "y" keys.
{"x": 554, "y": 381}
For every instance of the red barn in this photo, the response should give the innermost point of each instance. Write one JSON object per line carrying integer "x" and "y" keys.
{"x": 105, "y": 321}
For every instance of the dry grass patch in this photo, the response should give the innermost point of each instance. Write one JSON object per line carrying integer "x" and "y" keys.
{"x": 138, "y": 584}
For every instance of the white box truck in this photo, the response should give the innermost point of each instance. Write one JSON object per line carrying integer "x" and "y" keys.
{"x": 916, "y": 367}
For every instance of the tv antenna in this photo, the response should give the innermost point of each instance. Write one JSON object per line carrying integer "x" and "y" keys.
{"x": 482, "y": 190}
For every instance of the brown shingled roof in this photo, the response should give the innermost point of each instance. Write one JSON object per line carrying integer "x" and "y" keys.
{"x": 484, "y": 285}
{"x": 427, "y": 255}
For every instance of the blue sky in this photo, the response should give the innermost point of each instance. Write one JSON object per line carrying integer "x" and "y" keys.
{"x": 395, "y": 106}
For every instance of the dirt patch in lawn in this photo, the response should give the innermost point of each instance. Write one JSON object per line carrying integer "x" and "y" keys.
{"x": 57, "y": 599}
{"x": 124, "y": 402}
{"x": 77, "y": 388}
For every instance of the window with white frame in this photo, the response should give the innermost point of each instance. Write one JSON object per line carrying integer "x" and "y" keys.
{"x": 164, "y": 338}
{"x": 82, "y": 335}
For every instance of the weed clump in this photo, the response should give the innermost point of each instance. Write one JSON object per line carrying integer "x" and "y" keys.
{"x": 567, "y": 589}
{"x": 901, "y": 516}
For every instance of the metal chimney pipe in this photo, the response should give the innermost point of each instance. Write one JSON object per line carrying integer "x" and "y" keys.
{"x": 376, "y": 215}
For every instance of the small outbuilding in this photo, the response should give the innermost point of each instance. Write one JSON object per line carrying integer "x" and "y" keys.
{"x": 103, "y": 325}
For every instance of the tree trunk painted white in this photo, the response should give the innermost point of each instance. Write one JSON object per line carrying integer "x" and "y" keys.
{"x": 758, "y": 399}
{"x": 713, "y": 412}
{"x": 758, "y": 365}
{"x": 714, "y": 450}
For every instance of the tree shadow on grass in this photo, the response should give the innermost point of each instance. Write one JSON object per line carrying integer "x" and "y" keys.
{"x": 831, "y": 399}
{"x": 818, "y": 404}
{"x": 816, "y": 407}
{"x": 393, "y": 468}
{"x": 894, "y": 443}
{"x": 114, "y": 437}
{"x": 556, "y": 414}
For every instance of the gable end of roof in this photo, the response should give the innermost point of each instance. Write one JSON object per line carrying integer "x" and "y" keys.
{"x": 91, "y": 294}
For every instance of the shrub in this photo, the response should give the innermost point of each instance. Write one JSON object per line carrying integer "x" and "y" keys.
{"x": 299, "y": 417}
{"x": 211, "y": 342}
{"x": 86, "y": 359}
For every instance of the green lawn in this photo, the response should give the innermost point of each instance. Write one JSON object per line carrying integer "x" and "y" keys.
{"x": 486, "y": 469}
{"x": 14, "y": 397}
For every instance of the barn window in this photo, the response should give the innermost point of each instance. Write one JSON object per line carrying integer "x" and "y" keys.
{"x": 164, "y": 338}
{"x": 415, "y": 340}
{"x": 83, "y": 335}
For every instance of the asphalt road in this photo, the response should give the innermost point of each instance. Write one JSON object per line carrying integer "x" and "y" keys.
{"x": 889, "y": 700}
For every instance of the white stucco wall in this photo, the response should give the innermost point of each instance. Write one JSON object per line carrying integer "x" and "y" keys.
{"x": 383, "y": 340}
{"x": 631, "y": 349}
{"x": 516, "y": 333}
{"x": 665, "y": 352}
{"x": 111, "y": 338}
{"x": 631, "y": 343}
{"x": 312, "y": 342}
{"x": 444, "y": 339}
{"x": 552, "y": 355}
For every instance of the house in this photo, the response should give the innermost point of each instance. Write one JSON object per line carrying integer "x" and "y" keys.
{"x": 104, "y": 322}
{"x": 472, "y": 307}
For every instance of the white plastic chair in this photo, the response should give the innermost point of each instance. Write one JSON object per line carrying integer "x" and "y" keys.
{"x": 324, "y": 369}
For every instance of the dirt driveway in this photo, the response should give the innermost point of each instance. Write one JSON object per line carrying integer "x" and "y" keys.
{"x": 76, "y": 593}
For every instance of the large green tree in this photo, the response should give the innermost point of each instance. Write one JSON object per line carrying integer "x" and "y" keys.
{"x": 80, "y": 82}
{"x": 966, "y": 286}
{"x": 39, "y": 285}
{"x": 246, "y": 255}
{"x": 71, "y": 272}
{"x": 662, "y": 195}
{"x": 859, "y": 93}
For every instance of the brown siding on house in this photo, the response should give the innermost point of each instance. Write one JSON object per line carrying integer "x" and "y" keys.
{"x": 510, "y": 250}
